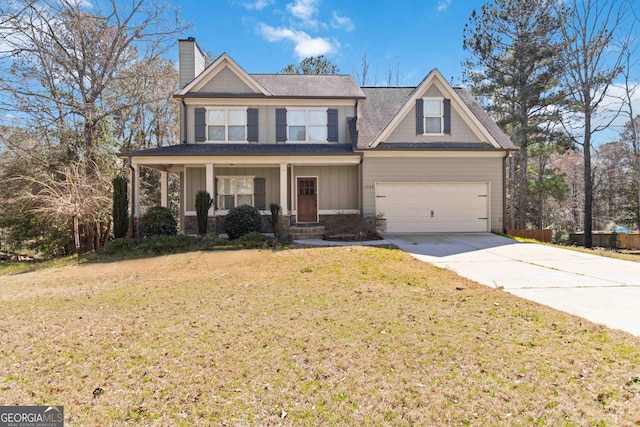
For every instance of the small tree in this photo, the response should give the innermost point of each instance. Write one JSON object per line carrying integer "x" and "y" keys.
{"x": 203, "y": 203}
{"x": 120, "y": 207}
{"x": 276, "y": 219}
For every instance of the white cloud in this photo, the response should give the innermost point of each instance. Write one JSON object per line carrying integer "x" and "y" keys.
{"x": 257, "y": 4}
{"x": 303, "y": 9}
{"x": 305, "y": 45}
{"x": 341, "y": 22}
{"x": 443, "y": 5}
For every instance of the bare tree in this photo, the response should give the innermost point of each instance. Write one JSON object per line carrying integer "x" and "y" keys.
{"x": 66, "y": 195}
{"x": 590, "y": 30}
{"x": 61, "y": 60}
{"x": 364, "y": 69}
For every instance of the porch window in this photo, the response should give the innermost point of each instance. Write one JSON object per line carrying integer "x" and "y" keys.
{"x": 307, "y": 125}
{"x": 234, "y": 191}
{"x": 226, "y": 125}
{"x": 433, "y": 115}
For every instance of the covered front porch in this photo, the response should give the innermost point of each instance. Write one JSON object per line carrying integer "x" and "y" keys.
{"x": 307, "y": 187}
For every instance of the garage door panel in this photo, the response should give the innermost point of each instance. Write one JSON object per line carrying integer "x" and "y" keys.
{"x": 434, "y": 207}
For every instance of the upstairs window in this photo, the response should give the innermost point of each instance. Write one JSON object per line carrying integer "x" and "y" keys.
{"x": 307, "y": 125}
{"x": 433, "y": 116}
{"x": 226, "y": 125}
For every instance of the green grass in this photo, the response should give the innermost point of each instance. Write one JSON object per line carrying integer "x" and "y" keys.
{"x": 327, "y": 336}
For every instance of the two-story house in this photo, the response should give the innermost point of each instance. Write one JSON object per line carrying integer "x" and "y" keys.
{"x": 428, "y": 157}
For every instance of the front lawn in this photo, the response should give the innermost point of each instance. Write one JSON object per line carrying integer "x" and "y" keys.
{"x": 322, "y": 336}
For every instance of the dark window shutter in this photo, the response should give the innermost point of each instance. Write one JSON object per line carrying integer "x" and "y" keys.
{"x": 259, "y": 193}
{"x": 332, "y": 125}
{"x": 419, "y": 116}
{"x": 281, "y": 124}
{"x": 252, "y": 124}
{"x": 447, "y": 116}
{"x": 200, "y": 116}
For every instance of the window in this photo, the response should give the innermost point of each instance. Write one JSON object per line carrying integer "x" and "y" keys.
{"x": 433, "y": 115}
{"x": 226, "y": 125}
{"x": 307, "y": 125}
{"x": 236, "y": 191}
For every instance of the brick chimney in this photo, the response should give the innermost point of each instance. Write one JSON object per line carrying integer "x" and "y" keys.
{"x": 191, "y": 60}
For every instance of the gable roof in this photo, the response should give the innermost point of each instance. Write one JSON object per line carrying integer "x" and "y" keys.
{"x": 384, "y": 109}
{"x": 222, "y": 62}
{"x": 276, "y": 85}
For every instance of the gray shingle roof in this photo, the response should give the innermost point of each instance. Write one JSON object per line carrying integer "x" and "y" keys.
{"x": 310, "y": 85}
{"x": 378, "y": 109}
{"x": 501, "y": 138}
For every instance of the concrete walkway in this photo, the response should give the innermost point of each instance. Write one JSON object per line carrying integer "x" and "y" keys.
{"x": 602, "y": 290}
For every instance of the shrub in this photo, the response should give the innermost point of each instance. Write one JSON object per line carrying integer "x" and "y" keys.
{"x": 120, "y": 207}
{"x": 276, "y": 219}
{"x": 203, "y": 203}
{"x": 354, "y": 227}
{"x": 242, "y": 220}
{"x": 158, "y": 221}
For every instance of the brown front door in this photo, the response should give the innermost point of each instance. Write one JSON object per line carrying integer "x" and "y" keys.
{"x": 307, "y": 199}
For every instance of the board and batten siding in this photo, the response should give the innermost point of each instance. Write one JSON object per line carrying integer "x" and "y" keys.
{"x": 435, "y": 170}
{"x": 338, "y": 186}
{"x": 194, "y": 181}
{"x": 406, "y": 130}
{"x": 267, "y": 119}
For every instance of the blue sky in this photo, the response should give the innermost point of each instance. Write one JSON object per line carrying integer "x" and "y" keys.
{"x": 408, "y": 37}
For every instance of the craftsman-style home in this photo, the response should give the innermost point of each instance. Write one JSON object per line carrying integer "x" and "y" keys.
{"x": 428, "y": 157}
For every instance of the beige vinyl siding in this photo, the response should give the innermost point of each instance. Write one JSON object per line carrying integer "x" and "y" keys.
{"x": 406, "y": 130}
{"x": 435, "y": 170}
{"x": 195, "y": 181}
{"x": 191, "y": 60}
{"x": 226, "y": 81}
{"x": 338, "y": 187}
{"x": 267, "y": 120}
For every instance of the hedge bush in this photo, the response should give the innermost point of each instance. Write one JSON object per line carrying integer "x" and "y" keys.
{"x": 242, "y": 220}
{"x": 158, "y": 221}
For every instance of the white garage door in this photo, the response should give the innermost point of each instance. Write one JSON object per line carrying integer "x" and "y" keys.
{"x": 434, "y": 207}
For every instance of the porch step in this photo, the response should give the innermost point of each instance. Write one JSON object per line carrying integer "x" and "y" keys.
{"x": 302, "y": 232}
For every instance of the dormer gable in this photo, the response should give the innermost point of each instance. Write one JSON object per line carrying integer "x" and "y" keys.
{"x": 224, "y": 75}
{"x": 435, "y": 94}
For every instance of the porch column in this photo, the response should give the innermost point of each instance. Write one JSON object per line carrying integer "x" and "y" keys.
{"x": 136, "y": 190}
{"x": 164, "y": 189}
{"x": 283, "y": 189}
{"x": 209, "y": 178}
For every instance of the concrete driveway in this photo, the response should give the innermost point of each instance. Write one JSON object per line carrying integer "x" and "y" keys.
{"x": 600, "y": 289}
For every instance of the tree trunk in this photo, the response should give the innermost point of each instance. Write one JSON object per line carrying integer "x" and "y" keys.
{"x": 76, "y": 234}
{"x": 588, "y": 184}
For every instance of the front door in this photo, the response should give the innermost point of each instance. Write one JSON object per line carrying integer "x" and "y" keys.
{"x": 307, "y": 199}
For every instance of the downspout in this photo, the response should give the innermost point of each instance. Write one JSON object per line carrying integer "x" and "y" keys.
{"x": 133, "y": 197}
{"x": 184, "y": 127}
{"x": 504, "y": 191}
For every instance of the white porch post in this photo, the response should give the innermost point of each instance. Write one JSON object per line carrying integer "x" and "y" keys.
{"x": 209, "y": 183}
{"x": 164, "y": 189}
{"x": 283, "y": 189}
{"x": 136, "y": 190}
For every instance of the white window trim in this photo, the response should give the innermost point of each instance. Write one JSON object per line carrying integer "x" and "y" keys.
{"x": 235, "y": 199}
{"x": 424, "y": 115}
{"x": 306, "y": 119}
{"x": 226, "y": 124}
